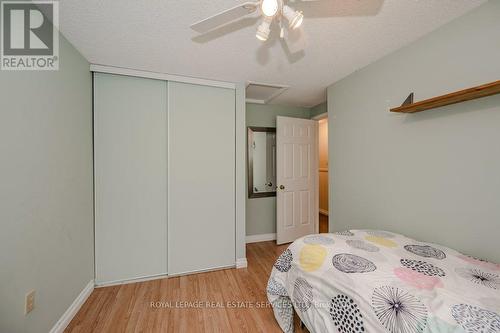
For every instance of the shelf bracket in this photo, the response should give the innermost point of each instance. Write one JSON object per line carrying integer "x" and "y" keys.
{"x": 408, "y": 100}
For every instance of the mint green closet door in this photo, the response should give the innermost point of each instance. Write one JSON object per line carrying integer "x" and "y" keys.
{"x": 130, "y": 149}
{"x": 201, "y": 180}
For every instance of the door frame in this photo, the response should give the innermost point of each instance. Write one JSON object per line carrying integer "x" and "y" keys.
{"x": 319, "y": 117}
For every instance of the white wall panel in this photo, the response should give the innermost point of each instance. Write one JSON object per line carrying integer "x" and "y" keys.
{"x": 201, "y": 177}
{"x": 130, "y": 130}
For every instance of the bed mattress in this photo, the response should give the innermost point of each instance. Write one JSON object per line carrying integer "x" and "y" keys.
{"x": 378, "y": 281}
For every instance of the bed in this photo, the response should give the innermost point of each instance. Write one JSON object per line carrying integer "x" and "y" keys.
{"x": 377, "y": 281}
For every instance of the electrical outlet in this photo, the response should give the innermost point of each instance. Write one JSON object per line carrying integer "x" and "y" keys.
{"x": 30, "y": 302}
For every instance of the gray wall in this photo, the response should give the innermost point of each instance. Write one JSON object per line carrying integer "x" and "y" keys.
{"x": 319, "y": 109}
{"x": 434, "y": 175}
{"x": 261, "y": 212}
{"x": 46, "y": 242}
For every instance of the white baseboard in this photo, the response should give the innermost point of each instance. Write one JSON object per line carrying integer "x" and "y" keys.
{"x": 73, "y": 309}
{"x": 199, "y": 271}
{"x": 241, "y": 263}
{"x": 260, "y": 238}
{"x": 323, "y": 212}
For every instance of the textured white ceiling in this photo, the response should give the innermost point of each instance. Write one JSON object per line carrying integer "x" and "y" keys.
{"x": 342, "y": 36}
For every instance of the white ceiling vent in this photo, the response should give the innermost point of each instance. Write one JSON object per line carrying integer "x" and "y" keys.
{"x": 263, "y": 93}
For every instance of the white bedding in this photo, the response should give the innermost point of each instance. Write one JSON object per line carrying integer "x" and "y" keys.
{"x": 376, "y": 281}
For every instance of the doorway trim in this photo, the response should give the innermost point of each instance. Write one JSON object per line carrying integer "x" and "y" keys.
{"x": 320, "y": 116}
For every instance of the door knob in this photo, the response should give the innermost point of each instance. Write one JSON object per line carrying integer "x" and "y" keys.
{"x": 282, "y": 187}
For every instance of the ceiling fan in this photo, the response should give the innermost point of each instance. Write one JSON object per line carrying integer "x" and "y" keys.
{"x": 271, "y": 10}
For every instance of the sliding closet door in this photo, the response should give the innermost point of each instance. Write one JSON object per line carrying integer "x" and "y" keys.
{"x": 130, "y": 119}
{"x": 201, "y": 193}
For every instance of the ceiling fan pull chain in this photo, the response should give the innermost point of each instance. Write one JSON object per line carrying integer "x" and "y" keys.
{"x": 282, "y": 29}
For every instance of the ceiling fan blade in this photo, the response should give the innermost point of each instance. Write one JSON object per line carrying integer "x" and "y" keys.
{"x": 331, "y": 8}
{"x": 299, "y": 1}
{"x": 225, "y": 17}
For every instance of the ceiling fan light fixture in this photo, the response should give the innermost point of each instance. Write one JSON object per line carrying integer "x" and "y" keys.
{"x": 264, "y": 29}
{"x": 295, "y": 18}
{"x": 270, "y": 7}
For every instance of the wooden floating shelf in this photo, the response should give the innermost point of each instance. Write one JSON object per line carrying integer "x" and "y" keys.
{"x": 453, "y": 98}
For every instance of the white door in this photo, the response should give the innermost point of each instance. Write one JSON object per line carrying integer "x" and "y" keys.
{"x": 297, "y": 178}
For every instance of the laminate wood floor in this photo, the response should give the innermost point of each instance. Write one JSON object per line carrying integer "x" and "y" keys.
{"x": 179, "y": 304}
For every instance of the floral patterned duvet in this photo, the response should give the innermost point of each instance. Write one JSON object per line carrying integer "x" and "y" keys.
{"x": 376, "y": 281}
